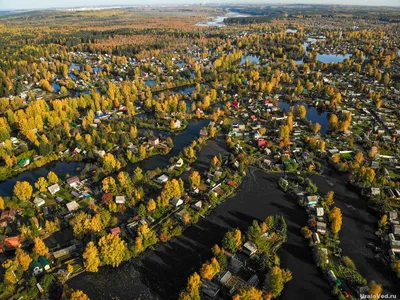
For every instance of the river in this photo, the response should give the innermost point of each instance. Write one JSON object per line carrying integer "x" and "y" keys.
{"x": 358, "y": 229}
{"x": 162, "y": 273}
{"x": 61, "y": 168}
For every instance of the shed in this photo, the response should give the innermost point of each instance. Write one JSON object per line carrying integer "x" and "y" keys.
{"x": 44, "y": 262}
{"x": 54, "y": 188}
{"x": 72, "y": 206}
{"x": 120, "y": 199}
{"x": 38, "y": 201}
{"x": 176, "y": 201}
{"x": 249, "y": 248}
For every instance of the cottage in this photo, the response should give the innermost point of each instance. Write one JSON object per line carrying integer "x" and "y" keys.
{"x": 320, "y": 211}
{"x": 315, "y": 238}
{"x": 12, "y": 242}
{"x": 115, "y": 231}
{"x": 154, "y": 141}
{"x": 7, "y": 217}
{"x": 226, "y": 278}
{"x": 179, "y": 163}
{"x": 312, "y": 200}
{"x": 176, "y": 201}
{"x": 161, "y": 179}
{"x": 73, "y": 181}
{"x": 35, "y": 268}
{"x": 43, "y": 261}
{"x": 120, "y": 199}
{"x": 38, "y": 201}
{"x": 54, "y": 189}
{"x": 198, "y": 205}
{"x": 64, "y": 252}
{"x": 203, "y": 133}
{"x": 72, "y": 206}
{"x": 321, "y": 227}
{"x": 209, "y": 289}
{"x": 249, "y": 248}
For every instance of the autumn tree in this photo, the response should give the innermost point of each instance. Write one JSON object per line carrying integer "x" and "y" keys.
{"x": 39, "y": 247}
{"x": 52, "y": 177}
{"x": 91, "y": 258}
{"x": 23, "y": 190}
{"x": 194, "y": 179}
{"x": 23, "y": 259}
{"x": 301, "y": 111}
{"x": 113, "y": 251}
{"x": 276, "y": 279}
{"x": 307, "y": 233}
{"x": 329, "y": 198}
{"x": 41, "y": 184}
{"x": 250, "y": 293}
{"x": 335, "y": 216}
{"x": 396, "y": 267}
{"x": 192, "y": 290}
{"x": 232, "y": 240}
{"x": 79, "y": 295}
{"x": 151, "y": 205}
{"x": 375, "y": 290}
{"x": 1, "y": 203}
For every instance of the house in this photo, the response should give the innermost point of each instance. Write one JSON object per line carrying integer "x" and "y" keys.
{"x": 198, "y": 205}
{"x": 203, "y": 133}
{"x": 176, "y": 201}
{"x": 115, "y": 231}
{"x": 161, "y": 179}
{"x": 261, "y": 143}
{"x": 312, "y": 200}
{"x": 177, "y": 123}
{"x": 209, "y": 289}
{"x": 120, "y": 199}
{"x": 396, "y": 229}
{"x": 236, "y": 264}
{"x": 320, "y": 211}
{"x": 179, "y": 163}
{"x": 393, "y": 216}
{"x": 249, "y": 248}
{"x": 24, "y": 162}
{"x": 64, "y": 252}
{"x": 7, "y": 217}
{"x": 73, "y": 181}
{"x": 180, "y": 214}
{"x": 54, "y": 188}
{"x": 38, "y": 201}
{"x": 321, "y": 227}
{"x": 43, "y": 261}
{"x": 315, "y": 238}
{"x": 375, "y": 191}
{"x": 225, "y": 278}
{"x": 35, "y": 268}
{"x": 154, "y": 141}
{"x": 72, "y": 206}
{"x": 235, "y": 104}
{"x": 12, "y": 242}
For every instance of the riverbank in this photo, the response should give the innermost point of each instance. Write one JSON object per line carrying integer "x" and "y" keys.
{"x": 164, "y": 271}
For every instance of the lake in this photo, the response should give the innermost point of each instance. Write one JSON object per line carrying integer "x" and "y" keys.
{"x": 313, "y": 114}
{"x": 251, "y": 58}
{"x": 219, "y": 21}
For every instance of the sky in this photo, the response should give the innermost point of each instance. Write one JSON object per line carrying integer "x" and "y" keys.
{"x": 40, "y": 4}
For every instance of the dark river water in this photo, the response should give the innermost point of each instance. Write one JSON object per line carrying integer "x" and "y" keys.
{"x": 61, "y": 168}
{"x": 162, "y": 273}
{"x": 181, "y": 140}
{"x": 358, "y": 229}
